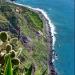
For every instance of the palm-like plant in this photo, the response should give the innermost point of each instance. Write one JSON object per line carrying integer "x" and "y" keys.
{"x": 8, "y": 57}
{"x": 8, "y": 67}
{"x": 28, "y": 71}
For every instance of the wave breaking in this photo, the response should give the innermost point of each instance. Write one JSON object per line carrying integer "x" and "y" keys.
{"x": 53, "y": 32}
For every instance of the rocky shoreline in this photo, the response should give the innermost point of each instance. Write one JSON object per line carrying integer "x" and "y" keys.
{"x": 47, "y": 30}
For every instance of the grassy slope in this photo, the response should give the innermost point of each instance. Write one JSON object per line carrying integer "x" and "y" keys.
{"x": 29, "y": 23}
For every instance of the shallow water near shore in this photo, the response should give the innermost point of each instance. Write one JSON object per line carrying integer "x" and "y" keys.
{"x": 62, "y": 16}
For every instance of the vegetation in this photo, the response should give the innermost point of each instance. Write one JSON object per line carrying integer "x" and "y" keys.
{"x": 22, "y": 41}
{"x": 37, "y": 22}
{"x": 8, "y": 58}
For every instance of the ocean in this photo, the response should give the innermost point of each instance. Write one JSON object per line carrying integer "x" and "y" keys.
{"x": 61, "y": 14}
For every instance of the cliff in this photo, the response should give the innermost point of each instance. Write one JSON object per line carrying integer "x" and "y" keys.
{"x": 33, "y": 35}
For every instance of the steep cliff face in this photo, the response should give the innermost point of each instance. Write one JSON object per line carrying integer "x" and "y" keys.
{"x": 27, "y": 26}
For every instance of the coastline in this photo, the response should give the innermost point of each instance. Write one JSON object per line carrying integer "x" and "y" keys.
{"x": 50, "y": 32}
{"x": 44, "y": 14}
{"x": 50, "y": 43}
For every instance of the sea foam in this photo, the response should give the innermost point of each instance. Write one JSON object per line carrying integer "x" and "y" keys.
{"x": 53, "y": 32}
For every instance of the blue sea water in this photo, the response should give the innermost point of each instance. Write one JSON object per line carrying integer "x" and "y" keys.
{"x": 61, "y": 13}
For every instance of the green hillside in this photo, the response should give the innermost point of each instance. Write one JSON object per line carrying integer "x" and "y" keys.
{"x": 25, "y": 25}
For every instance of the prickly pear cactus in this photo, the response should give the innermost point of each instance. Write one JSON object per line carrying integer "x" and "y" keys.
{"x": 6, "y": 51}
